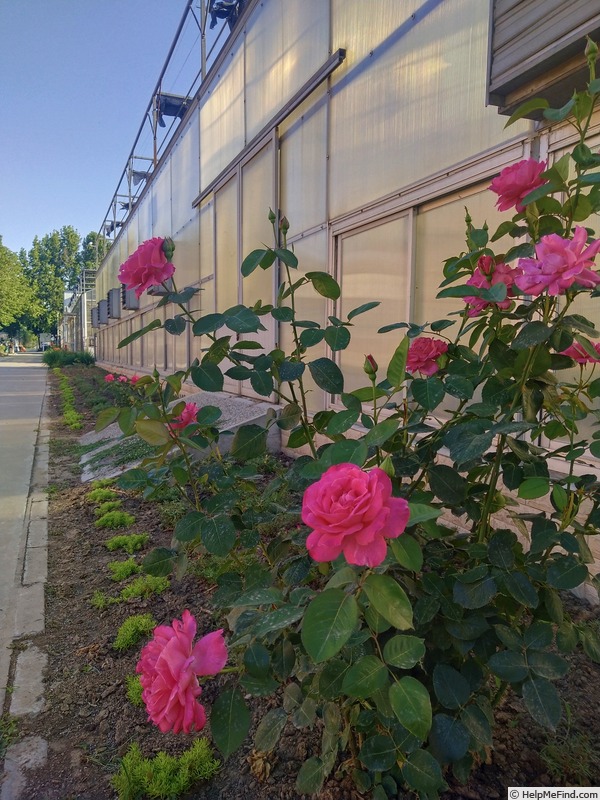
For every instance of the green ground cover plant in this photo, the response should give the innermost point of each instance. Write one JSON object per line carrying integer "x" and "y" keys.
{"x": 55, "y": 359}
{"x": 144, "y": 586}
{"x": 164, "y": 776}
{"x": 134, "y": 690}
{"x": 115, "y": 519}
{"x": 71, "y": 417}
{"x": 121, "y": 570}
{"x": 393, "y": 583}
{"x": 101, "y": 495}
{"x": 133, "y": 630}
{"x": 108, "y": 505}
{"x": 130, "y": 542}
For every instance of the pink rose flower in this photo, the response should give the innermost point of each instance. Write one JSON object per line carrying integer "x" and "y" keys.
{"x": 122, "y": 379}
{"x": 423, "y": 355}
{"x": 135, "y": 379}
{"x": 109, "y": 378}
{"x": 169, "y": 667}
{"x": 559, "y": 263}
{"x": 187, "y": 416}
{"x": 352, "y": 512}
{"x": 577, "y": 353}
{"x": 487, "y": 274}
{"x": 148, "y": 266}
{"x": 516, "y": 181}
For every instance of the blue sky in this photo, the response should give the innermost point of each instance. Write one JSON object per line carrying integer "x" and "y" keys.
{"x": 76, "y": 77}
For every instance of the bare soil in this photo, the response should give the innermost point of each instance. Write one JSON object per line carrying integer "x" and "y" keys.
{"x": 89, "y": 723}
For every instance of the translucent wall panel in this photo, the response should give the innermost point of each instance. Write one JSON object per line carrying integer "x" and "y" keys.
{"x": 312, "y": 257}
{"x": 258, "y": 195}
{"x": 227, "y": 261}
{"x": 187, "y": 254}
{"x": 162, "y": 224}
{"x": 227, "y": 256}
{"x": 207, "y": 239}
{"x": 222, "y": 118}
{"x": 132, "y": 237}
{"x": 303, "y": 165}
{"x": 148, "y": 342}
{"x": 441, "y": 235}
{"x": 373, "y": 264}
{"x": 185, "y": 175}
{"x": 136, "y": 346}
{"x": 144, "y": 218}
{"x": 285, "y": 44}
{"x": 409, "y": 100}
{"x": 180, "y": 346}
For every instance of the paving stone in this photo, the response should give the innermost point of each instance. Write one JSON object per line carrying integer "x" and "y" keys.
{"x": 29, "y": 616}
{"x": 39, "y": 509}
{"x": 28, "y": 687}
{"x": 38, "y": 533}
{"x": 36, "y": 565}
{"x": 29, "y": 753}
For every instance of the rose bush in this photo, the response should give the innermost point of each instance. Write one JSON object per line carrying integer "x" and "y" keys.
{"x": 397, "y": 649}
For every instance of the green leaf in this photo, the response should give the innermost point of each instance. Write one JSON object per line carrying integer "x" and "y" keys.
{"x": 451, "y": 688}
{"x": 156, "y": 323}
{"x": 423, "y": 773}
{"x": 257, "y": 660}
{"x": 428, "y": 392}
{"x": 501, "y": 549}
{"x": 419, "y": 512}
{"x": 558, "y": 114}
{"x": 229, "y": 721}
{"x": 534, "y": 487}
{"x": 475, "y": 595}
{"x": 261, "y": 382}
{"x": 476, "y": 722}
{"x": 381, "y": 432}
{"x": 509, "y": 666}
{"x": 207, "y": 376}
{"x": 242, "y": 320}
{"x": 407, "y": 550}
{"x": 218, "y": 534}
{"x": 447, "y": 484}
{"x": 396, "y": 370}
{"x": 337, "y": 337}
{"x": 152, "y": 431}
{"x": 460, "y": 387}
{"x": 411, "y": 704}
{"x": 565, "y": 572}
{"x": 175, "y": 326}
{"x": 542, "y": 701}
{"x": 361, "y": 309}
{"x": 531, "y": 334}
{"x": 327, "y": 375}
{"x": 329, "y": 621}
{"x": 253, "y": 261}
{"x": 311, "y": 776}
{"x": 160, "y": 562}
{"x": 208, "y": 415}
{"x": 342, "y": 422}
{"x": 311, "y": 337}
{"x": 278, "y": 619}
{"x": 390, "y": 600}
{"x": 289, "y": 417}
{"x": 106, "y": 417}
{"x": 249, "y": 441}
{"x": 547, "y": 665}
{"x": 269, "y": 730}
{"x": 189, "y": 527}
{"x": 351, "y": 451}
{"x": 324, "y": 284}
{"x": 469, "y": 440}
{"x": 404, "y": 651}
{"x": 290, "y": 370}
{"x": 365, "y": 677}
{"x": 287, "y": 257}
{"x": 449, "y": 739}
{"x": 208, "y": 324}
{"x": 534, "y": 104}
{"x": 520, "y": 587}
{"x": 133, "y": 479}
{"x": 378, "y": 753}
{"x": 282, "y": 314}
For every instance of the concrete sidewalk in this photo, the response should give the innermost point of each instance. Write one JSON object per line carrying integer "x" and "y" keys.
{"x": 24, "y": 438}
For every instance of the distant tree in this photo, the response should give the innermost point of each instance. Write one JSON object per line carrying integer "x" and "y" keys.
{"x": 93, "y": 249}
{"x": 16, "y": 294}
